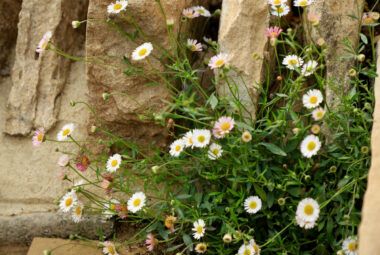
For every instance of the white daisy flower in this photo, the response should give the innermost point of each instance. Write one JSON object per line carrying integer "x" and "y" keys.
{"x": 252, "y": 204}
{"x": 218, "y": 61}
{"x": 309, "y": 67}
{"x": 350, "y": 246}
{"x": 283, "y": 10}
{"x": 201, "y": 248}
{"x": 113, "y": 163}
{"x": 142, "y": 51}
{"x": 188, "y": 139}
{"x": 207, "y": 40}
{"x": 190, "y": 13}
{"x": 199, "y": 229}
{"x": 68, "y": 201}
{"x": 305, "y": 224}
{"x": 312, "y": 98}
{"x": 136, "y": 202}
{"x": 215, "y": 151}
{"x": 308, "y": 210}
{"x": 310, "y": 146}
{"x": 302, "y": 3}
{"x": 201, "y": 137}
{"x": 277, "y": 2}
{"x": 202, "y": 11}
{"x": 77, "y": 212}
{"x": 44, "y": 42}
{"x": 318, "y": 113}
{"x": 292, "y": 61}
{"x": 117, "y": 7}
{"x": 246, "y": 250}
{"x": 77, "y": 185}
{"x": 109, "y": 248}
{"x": 110, "y": 208}
{"x": 193, "y": 45}
{"x": 255, "y": 247}
{"x": 176, "y": 147}
{"x": 65, "y": 132}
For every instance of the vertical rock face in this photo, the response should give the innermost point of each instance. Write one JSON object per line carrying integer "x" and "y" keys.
{"x": 369, "y": 234}
{"x": 9, "y": 10}
{"x": 119, "y": 112}
{"x": 335, "y": 26}
{"x": 39, "y": 80}
{"x": 241, "y": 34}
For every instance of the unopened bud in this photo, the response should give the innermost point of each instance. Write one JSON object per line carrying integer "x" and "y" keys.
{"x": 321, "y": 42}
{"x": 56, "y": 202}
{"x": 47, "y": 252}
{"x": 296, "y": 131}
{"x": 273, "y": 41}
{"x": 100, "y": 141}
{"x": 289, "y": 31}
{"x": 340, "y": 252}
{"x": 72, "y": 103}
{"x": 364, "y": 149}
{"x": 375, "y": 15}
{"x": 279, "y": 78}
{"x": 307, "y": 178}
{"x": 93, "y": 129}
{"x": 217, "y": 12}
{"x": 75, "y": 24}
{"x": 169, "y": 22}
{"x": 315, "y": 129}
{"x": 281, "y": 201}
{"x": 155, "y": 169}
{"x": 361, "y": 57}
{"x": 227, "y": 238}
{"x": 106, "y": 96}
{"x": 352, "y": 72}
{"x": 333, "y": 169}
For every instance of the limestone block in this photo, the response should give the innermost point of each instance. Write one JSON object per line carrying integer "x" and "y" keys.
{"x": 9, "y": 10}
{"x": 369, "y": 234}
{"x": 335, "y": 26}
{"x": 119, "y": 112}
{"x": 241, "y": 34}
{"x": 24, "y": 228}
{"x": 38, "y": 80}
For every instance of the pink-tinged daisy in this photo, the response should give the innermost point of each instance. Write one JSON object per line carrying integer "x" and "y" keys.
{"x": 224, "y": 125}
{"x": 61, "y": 175}
{"x": 83, "y": 162}
{"x": 38, "y": 137}
{"x": 369, "y": 18}
{"x": 313, "y": 19}
{"x": 122, "y": 210}
{"x": 63, "y": 160}
{"x": 44, "y": 42}
{"x": 273, "y": 32}
{"x": 190, "y": 13}
{"x": 150, "y": 242}
{"x": 193, "y": 45}
{"x": 318, "y": 113}
{"x": 216, "y": 133}
{"x": 109, "y": 248}
{"x": 218, "y": 61}
{"x": 105, "y": 184}
{"x": 169, "y": 222}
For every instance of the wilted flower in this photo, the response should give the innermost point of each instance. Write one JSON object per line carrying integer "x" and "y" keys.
{"x": 83, "y": 162}
{"x": 169, "y": 223}
{"x": 321, "y": 42}
{"x": 150, "y": 242}
{"x": 315, "y": 129}
{"x": 122, "y": 210}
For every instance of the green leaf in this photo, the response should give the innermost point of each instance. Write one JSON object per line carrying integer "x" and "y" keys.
{"x": 174, "y": 248}
{"x": 352, "y": 16}
{"x": 363, "y": 38}
{"x": 274, "y": 149}
{"x": 187, "y": 240}
{"x": 243, "y": 125}
{"x": 213, "y": 101}
{"x": 260, "y": 192}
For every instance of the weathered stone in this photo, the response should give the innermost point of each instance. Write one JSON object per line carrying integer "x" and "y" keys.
{"x": 334, "y": 27}
{"x": 38, "y": 80}
{"x": 241, "y": 34}
{"x": 24, "y": 228}
{"x": 120, "y": 112}
{"x": 369, "y": 234}
{"x": 9, "y": 10}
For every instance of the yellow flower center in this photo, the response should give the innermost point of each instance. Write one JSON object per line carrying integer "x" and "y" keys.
{"x": 292, "y": 62}
{"x": 117, "y": 7}
{"x": 202, "y": 247}
{"x": 319, "y": 114}
{"x": 114, "y": 163}
{"x": 137, "y": 202}
{"x": 280, "y": 10}
{"x": 276, "y": 2}
{"x": 273, "y": 33}
{"x": 247, "y": 252}
{"x": 191, "y": 140}
{"x": 193, "y": 48}
{"x": 225, "y": 126}
{"x": 78, "y": 210}
{"x": 68, "y": 201}
{"x": 215, "y": 151}
{"x": 201, "y": 138}
{"x": 66, "y": 132}
{"x": 311, "y": 146}
{"x": 199, "y": 229}
{"x": 142, "y": 52}
{"x": 43, "y": 44}
{"x": 219, "y": 62}
{"x": 201, "y": 11}
{"x": 112, "y": 207}
{"x": 39, "y": 137}
{"x": 353, "y": 246}
{"x": 313, "y": 100}
{"x": 178, "y": 148}
{"x": 252, "y": 205}
{"x": 111, "y": 250}
{"x": 303, "y": 3}
{"x": 256, "y": 249}
{"x": 308, "y": 210}
{"x": 368, "y": 20}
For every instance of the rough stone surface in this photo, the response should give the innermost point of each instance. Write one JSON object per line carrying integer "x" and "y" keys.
{"x": 369, "y": 234}
{"x": 38, "y": 80}
{"x": 335, "y": 26}
{"x": 241, "y": 33}
{"x": 119, "y": 112}
{"x": 24, "y": 228}
{"x": 9, "y": 10}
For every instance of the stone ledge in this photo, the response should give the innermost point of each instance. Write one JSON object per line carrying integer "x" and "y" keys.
{"x": 24, "y": 228}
